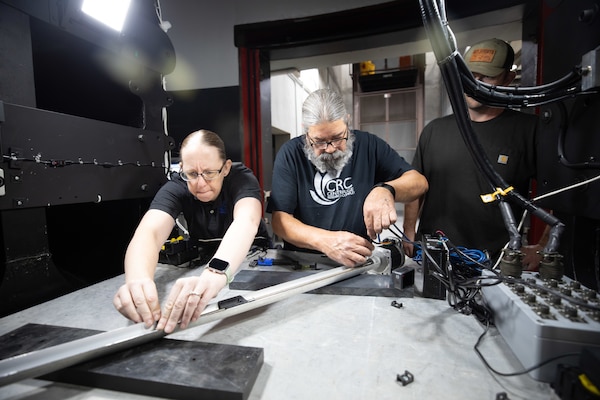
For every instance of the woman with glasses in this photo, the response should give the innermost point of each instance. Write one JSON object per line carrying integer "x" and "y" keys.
{"x": 334, "y": 189}
{"x": 219, "y": 200}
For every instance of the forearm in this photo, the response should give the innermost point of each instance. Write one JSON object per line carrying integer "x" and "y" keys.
{"x": 411, "y": 215}
{"x": 237, "y": 241}
{"x": 287, "y": 227}
{"x": 410, "y": 186}
{"x": 247, "y": 214}
{"x": 141, "y": 257}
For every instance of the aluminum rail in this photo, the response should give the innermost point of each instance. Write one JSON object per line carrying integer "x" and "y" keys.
{"x": 44, "y": 361}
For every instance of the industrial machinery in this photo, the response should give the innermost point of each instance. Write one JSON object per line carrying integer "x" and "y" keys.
{"x": 83, "y": 143}
{"x": 545, "y": 319}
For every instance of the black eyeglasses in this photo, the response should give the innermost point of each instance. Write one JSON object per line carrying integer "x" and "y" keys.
{"x": 208, "y": 175}
{"x": 322, "y": 145}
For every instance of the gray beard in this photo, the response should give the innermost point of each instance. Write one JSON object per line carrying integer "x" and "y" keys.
{"x": 330, "y": 163}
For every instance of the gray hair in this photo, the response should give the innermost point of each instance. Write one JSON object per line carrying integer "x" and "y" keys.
{"x": 322, "y": 105}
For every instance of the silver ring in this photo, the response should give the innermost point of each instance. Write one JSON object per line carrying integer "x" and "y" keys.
{"x": 194, "y": 294}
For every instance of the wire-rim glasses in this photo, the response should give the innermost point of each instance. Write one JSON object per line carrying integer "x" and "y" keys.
{"x": 322, "y": 145}
{"x": 208, "y": 175}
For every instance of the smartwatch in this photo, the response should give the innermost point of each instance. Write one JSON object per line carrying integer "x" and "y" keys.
{"x": 220, "y": 267}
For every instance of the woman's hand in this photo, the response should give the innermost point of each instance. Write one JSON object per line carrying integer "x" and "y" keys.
{"x": 138, "y": 301}
{"x": 188, "y": 298}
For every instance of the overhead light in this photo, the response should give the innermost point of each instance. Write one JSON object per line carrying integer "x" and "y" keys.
{"x": 109, "y": 12}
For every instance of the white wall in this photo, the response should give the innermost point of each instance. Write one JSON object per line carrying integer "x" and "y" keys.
{"x": 202, "y": 34}
{"x": 289, "y": 90}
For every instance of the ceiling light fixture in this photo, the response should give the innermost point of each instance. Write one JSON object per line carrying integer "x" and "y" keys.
{"x": 109, "y": 12}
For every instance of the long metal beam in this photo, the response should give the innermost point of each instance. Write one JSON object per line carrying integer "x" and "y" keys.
{"x": 44, "y": 361}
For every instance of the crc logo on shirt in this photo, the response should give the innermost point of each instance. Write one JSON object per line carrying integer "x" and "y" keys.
{"x": 328, "y": 189}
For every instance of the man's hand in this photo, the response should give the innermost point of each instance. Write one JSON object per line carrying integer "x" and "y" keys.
{"x": 379, "y": 210}
{"x": 138, "y": 301}
{"x": 347, "y": 248}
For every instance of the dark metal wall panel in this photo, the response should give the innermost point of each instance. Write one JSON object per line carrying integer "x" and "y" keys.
{"x": 82, "y": 142}
{"x": 216, "y": 109}
{"x": 60, "y": 159}
{"x": 16, "y": 61}
{"x": 578, "y": 122}
{"x": 576, "y": 119}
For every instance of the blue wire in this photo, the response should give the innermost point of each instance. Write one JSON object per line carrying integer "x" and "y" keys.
{"x": 475, "y": 256}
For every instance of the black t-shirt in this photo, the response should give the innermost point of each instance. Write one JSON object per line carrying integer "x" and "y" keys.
{"x": 209, "y": 220}
{"x": 332, "y": 202}
{"x": 453, "y": 203}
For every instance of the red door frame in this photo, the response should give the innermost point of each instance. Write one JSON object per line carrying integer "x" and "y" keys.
{"x": 249, "y": 60}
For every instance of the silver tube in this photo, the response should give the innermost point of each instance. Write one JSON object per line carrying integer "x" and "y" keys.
{"x": 44, "y": 361}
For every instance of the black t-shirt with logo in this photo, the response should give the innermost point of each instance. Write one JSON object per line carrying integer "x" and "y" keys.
{"x": 332, "y": 202}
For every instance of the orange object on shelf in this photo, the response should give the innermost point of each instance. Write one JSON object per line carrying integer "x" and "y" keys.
{"x": 405, "y": 61}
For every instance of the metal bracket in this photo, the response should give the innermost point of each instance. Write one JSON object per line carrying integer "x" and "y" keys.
{"x": 231, "y": 302}
{"x": 405, "y": 378}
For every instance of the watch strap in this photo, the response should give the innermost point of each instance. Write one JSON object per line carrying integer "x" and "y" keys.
{"x": 387, "y": 186}
{"x": 222, "y": 267}
{"x": 227, "y": 273}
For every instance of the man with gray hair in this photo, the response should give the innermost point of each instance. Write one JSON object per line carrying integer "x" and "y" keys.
{"x": 334, "y": 188}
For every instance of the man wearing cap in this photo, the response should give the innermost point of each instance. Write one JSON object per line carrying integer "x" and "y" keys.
{"x": 453, "y": 204}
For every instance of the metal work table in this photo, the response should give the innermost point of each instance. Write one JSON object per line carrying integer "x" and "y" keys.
{"x": 316, "y": 346}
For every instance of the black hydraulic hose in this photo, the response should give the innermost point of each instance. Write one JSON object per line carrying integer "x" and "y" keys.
{"x": 521, "y": 97}
{"x": 556, "y": 225}
{"x": 463, "y": 120}
{"x": 571, "y": 79}
{"x": 490, "y": 95}
{"x": 446, "y": 56}
{"x": 568, "y": 82}
{"x": 511, "y": 225}
{"x": 449, "y": 71}
{"x": 437, "y": 34}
